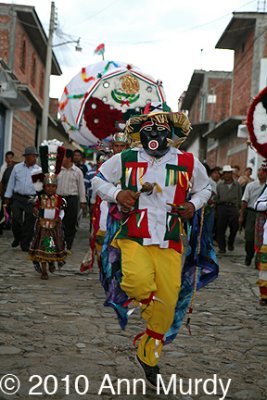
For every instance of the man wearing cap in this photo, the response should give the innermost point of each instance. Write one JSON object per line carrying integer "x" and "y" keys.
{"x": 154, "y": 182}
{"x": 228, "y": 201}
{"x": 21, "y": 191}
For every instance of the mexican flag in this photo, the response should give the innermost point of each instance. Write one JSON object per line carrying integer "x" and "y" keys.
{"x": 100, "y": 49}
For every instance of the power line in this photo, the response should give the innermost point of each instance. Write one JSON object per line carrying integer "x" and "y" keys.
{"x": 238, "y": 66}
{"x": 99, "y": 12}
{"x": 218, "y": 19}
{"x": 149, "y": 41}
{"x": 131, "y": 43}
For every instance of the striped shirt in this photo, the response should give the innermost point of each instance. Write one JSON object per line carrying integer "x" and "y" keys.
{"x": 88, "y": 181}
{"x": 70, "y": 183}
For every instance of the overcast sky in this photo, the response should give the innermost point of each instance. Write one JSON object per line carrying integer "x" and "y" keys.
{"x": 167, "y": 39}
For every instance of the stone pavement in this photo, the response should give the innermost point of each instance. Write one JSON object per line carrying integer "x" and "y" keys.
{"x": 59, "y": 327}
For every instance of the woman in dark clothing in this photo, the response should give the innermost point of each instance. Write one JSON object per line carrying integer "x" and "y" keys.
{"x": 3, "y": 185}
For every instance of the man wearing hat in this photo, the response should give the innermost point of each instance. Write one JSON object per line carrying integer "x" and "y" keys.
{"x": 154, "y": 182}
{"x": 21, "y": 191}
{"x": 228, "y": 201}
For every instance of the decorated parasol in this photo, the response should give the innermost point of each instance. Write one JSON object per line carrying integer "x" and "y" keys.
{"x": 99, "y": 100}
{"x": 257, "y": 123}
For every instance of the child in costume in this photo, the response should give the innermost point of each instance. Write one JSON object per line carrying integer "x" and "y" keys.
{"x": 48, "y": 244}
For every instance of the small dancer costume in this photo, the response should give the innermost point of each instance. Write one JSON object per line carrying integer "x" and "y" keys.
{"x": 256, "y": 123}
{"x": 154, "y": 183}
{"x": 48, "y": 244}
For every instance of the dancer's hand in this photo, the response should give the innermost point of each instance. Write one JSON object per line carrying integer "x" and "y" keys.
{"x": 188, "y": 210}
{"x": 127, "y": 198}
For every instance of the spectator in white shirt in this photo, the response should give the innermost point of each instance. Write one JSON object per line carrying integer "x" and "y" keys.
{"x": 248, "y": 214}
{"x": 71, "y": 187}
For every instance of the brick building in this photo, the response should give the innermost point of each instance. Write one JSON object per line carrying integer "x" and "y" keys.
{"x": 23, "y": 45}
{"x": 207, "y": 101}
{"x": 246, "y": 35}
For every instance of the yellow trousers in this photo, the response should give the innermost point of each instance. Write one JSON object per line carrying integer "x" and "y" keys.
{"x": 146, "y": 270}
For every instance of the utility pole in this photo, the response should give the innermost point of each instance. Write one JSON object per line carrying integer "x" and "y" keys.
{"x": 48, "y": 66}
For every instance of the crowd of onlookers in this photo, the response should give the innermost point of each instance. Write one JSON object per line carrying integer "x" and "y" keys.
{"x": 231, "y": 205}
{"x": 17, "y": 192}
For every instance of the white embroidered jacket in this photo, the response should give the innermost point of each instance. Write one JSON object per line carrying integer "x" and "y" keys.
{"x": 156, "y": 203}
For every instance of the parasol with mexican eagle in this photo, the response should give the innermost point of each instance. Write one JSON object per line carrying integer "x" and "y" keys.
{"x": 99, "y": 100}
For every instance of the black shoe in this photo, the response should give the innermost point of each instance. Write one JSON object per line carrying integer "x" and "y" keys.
{"x": 230, "y": 247}
{"x": 247, "y": 262}
{"x": 15, "y": 243}
{"x": 221, "y": 251}
{"x": 25, "y": 248}
{"x": 51, "y": 267}
{"x": 60, "y": 264}
{"x": 149, "y": 372}
{"x": 37, "y": 267}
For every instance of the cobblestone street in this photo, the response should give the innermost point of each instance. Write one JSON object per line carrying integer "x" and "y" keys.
{"x": 59, "y": 327}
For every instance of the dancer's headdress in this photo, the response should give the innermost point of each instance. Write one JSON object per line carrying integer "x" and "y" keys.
{"x": 160, "y": 114}
{"x": 51, "y": 156}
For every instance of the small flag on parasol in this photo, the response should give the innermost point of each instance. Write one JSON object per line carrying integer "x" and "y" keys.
{"x": 100, "y": 50}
